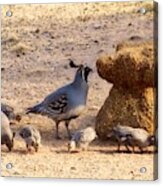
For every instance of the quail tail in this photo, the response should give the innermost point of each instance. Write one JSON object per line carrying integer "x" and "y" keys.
{"x": 37, "y": 109}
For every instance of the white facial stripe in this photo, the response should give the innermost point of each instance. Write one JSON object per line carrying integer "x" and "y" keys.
{"x": 83, "y": 76}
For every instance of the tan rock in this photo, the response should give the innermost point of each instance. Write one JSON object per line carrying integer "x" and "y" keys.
{"x": 132, "y": 66}
{"x": 126, "y": 108}
{"x": 132, "y": 71}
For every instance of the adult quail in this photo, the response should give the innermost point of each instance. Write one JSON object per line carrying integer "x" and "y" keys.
{"x": 82, "y": 139}
{"x": 31, "y": 137}
{"x": 68, "y": 102}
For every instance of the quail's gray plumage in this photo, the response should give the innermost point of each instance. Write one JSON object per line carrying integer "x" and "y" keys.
{"x": 7, "y": 136}
{"x": 130, "y": 136}
{"x": 120, "y": 133}
{"x": 82, "y": 139}
{"x": 31, "y": 137}
{"x": 140, "y": 138}
{"x": 9, "y": 111}
{"x": 68, "y": 102}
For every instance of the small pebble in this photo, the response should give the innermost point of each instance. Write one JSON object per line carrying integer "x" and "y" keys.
{"x": 97, "y": 26}
{"x": 130, "y": 24}
{"x": 37, "y": 30}
{"x": 73, "y": 168}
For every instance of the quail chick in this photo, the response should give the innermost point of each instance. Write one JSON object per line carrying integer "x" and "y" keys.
{"x": 7, "y": 136}
{"x": 68, "y": 102}
{"x": 140, "y": 138}
{"x": 31, "y": 137}
{"x": 132, "y": 137}
{"x": 82, "y": 139}
{"x": 9, "y": 111}
{"x": 120, "y": 133}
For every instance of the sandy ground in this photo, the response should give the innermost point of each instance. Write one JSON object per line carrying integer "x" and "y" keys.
{"x": 37, "y": 42}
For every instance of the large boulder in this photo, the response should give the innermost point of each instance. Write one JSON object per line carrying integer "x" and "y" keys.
{"x": 133, "y": 96}
{"x": 132, "y": 66}
{"x": 136, "y": 110}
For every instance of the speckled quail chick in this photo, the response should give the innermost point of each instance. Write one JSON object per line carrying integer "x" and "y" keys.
{"x": 31, "y": 137}
{"x": 10, "y": 113}
{"x": 140, "y": 138}
{"x": 82, "y": 139}
{"x": 132, "y": 137}
{"x": 120, "y": 133}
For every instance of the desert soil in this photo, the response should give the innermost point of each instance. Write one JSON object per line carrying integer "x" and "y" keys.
{"x": 37, "y": 42}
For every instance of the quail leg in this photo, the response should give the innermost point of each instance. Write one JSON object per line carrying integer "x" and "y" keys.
{"x": 128, "y": 150}
{"x": 9, "y": 146}
{"x": 28, "y": 148}
{"x": 68, "y": 131}
{"x": 119, "y": 146}
{"x": 133, "y": 149}
{"x": 36, "y": 148}
{"x": 85, "y": 147}
{"x": 141, "y": 150}
{"x": 57, "y": 130}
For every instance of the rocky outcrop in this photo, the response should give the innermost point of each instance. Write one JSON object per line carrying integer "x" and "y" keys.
{"x": 131, "y": 101}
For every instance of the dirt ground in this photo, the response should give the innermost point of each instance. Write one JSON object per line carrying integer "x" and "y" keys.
{"x": 37, "y": 42}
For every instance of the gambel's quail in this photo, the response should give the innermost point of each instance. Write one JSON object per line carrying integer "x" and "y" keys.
{"x": 68, "y": 102}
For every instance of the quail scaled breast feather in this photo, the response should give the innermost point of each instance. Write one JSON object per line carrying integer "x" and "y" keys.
{"x": 68, "y": 102}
